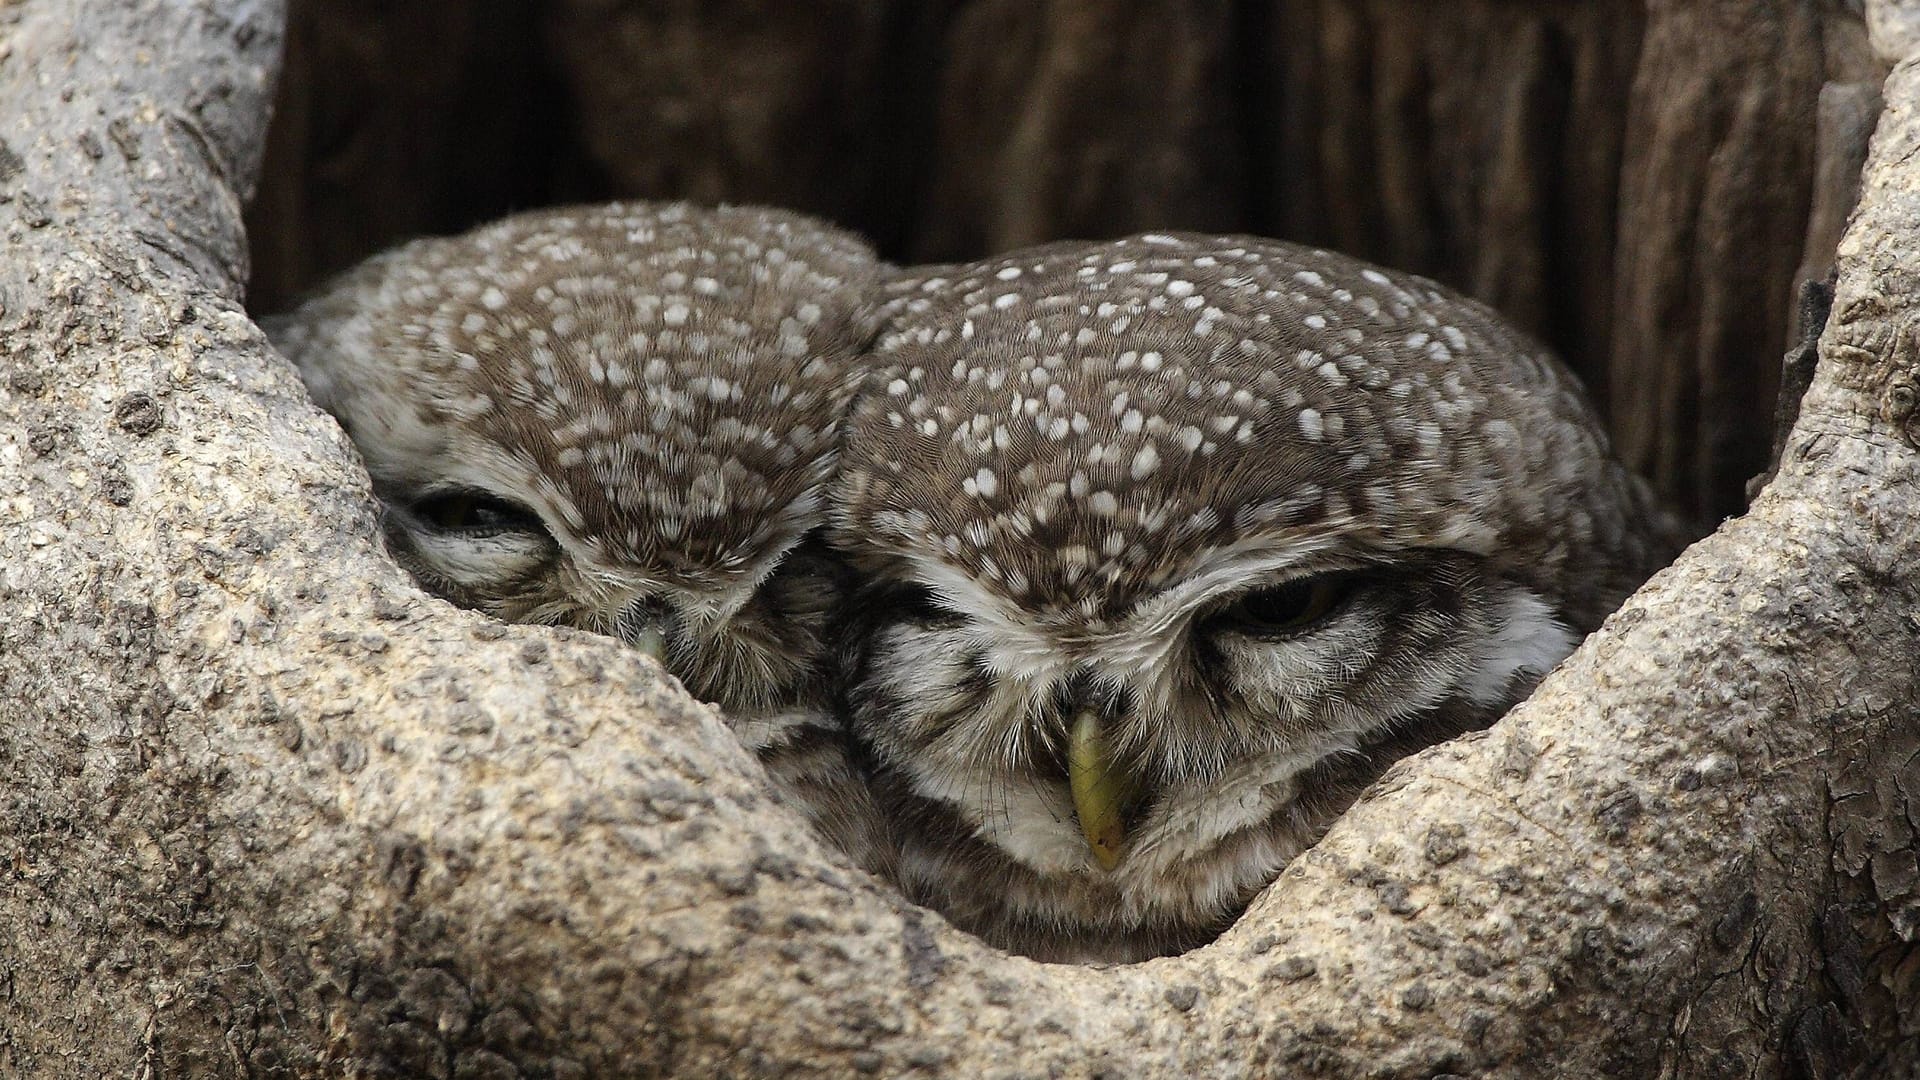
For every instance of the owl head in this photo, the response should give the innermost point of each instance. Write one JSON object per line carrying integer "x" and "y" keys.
{"x": 1168, "y": 544}
{"x": 621, "y": 418}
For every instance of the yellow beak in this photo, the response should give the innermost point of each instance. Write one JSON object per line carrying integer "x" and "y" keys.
{"x": 651, "y": 642}
{"x": 1100, "y": 790}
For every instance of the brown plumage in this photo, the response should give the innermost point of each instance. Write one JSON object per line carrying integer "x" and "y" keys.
{"x": 1171, "y": 543}
{"x": 621, "y": 418}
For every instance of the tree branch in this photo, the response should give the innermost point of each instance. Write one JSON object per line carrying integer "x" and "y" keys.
{"x": 267, "y": 806}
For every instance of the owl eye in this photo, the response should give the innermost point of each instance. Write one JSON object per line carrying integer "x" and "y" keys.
{"x": 475, "y": 513}
{"x": 1286, "y": 609}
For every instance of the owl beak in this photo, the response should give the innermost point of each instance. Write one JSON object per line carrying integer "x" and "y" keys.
{"x": 1100, "y": 790}
{"x": 649, "y": 640}
{"x": 642, "y": 625}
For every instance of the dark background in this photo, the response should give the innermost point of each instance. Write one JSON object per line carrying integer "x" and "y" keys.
{"x": 1640, "y": 183}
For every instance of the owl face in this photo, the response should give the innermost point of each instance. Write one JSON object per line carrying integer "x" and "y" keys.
{"x": 620, "y": 418}
{"x": 1170, "y": 544}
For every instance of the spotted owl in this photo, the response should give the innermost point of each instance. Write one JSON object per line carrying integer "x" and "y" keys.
{"x": 1169, "y": 545}
{"x": 621, "y": 418}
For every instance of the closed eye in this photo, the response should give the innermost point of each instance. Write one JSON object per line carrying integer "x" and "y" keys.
{"x": 472, "y": 513}
{"x": 468, "y": 545}
{"x": 1288, "y": 609}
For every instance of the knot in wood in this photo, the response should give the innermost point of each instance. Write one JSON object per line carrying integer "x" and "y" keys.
{"x": 1898, "y": 353}
{"x": 1897, "y": 407}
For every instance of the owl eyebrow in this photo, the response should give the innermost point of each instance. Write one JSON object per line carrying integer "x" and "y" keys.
{"x": 1226, "y": 571}
{"x": 448, "y": 487}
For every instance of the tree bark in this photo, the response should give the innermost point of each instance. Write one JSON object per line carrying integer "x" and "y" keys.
{"x": 265, "y": 808}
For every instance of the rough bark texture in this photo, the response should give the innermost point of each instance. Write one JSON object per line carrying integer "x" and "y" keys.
{"x": 265, "y": 808}
{"x": 1715, "y": 196}
{"x": 1630, "y": 179}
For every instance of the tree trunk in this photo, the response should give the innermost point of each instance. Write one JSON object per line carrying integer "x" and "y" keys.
{"x": 266, "y": 808}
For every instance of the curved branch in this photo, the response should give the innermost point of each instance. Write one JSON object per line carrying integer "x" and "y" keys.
{"x": 267, "y": 806}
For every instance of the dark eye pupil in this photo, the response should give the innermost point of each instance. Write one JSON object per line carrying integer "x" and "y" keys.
{"x": 1287, "y": 607}
{"x": 467, "y": 511}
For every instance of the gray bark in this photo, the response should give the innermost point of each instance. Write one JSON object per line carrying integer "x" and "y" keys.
{"x": 266, "y": 808}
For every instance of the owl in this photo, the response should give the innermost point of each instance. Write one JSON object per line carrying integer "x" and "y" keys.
{"x": 1169, "y": 545}
{"x": 621, "y": 418}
